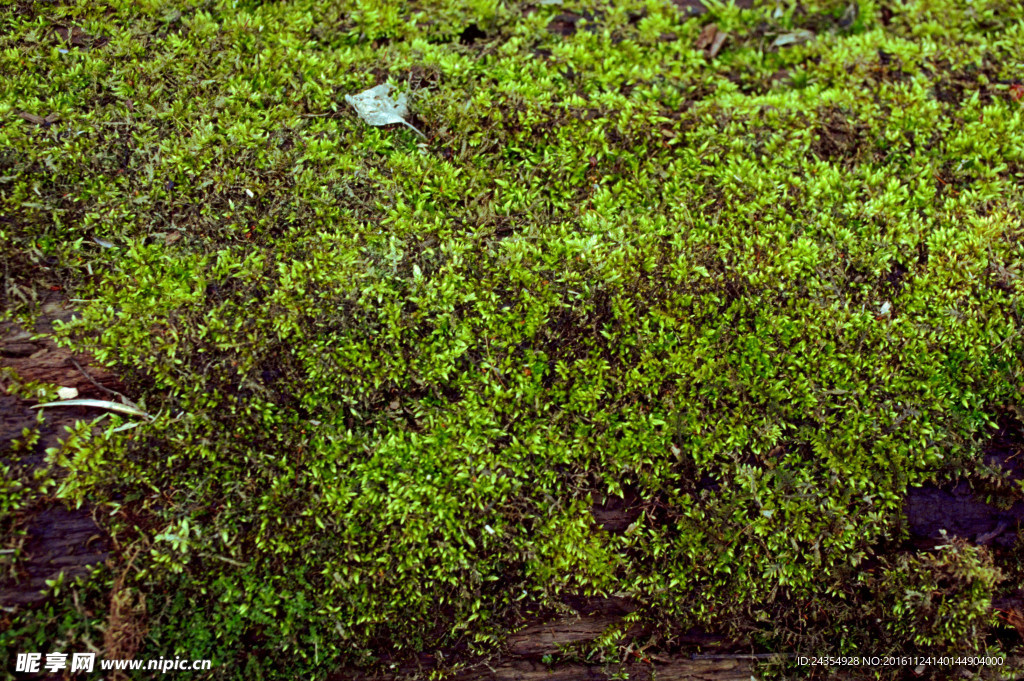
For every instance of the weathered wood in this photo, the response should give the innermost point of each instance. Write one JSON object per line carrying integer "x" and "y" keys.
{"x": 674, "y": 668}
{"x": 953, "y": 507}
{"x": 48, "y": 553}
{"x": 616, "y": 514}
{"x": 680, "y": 669}
{"x": 58, "y": 540}
{"x": 550, "y": 638}
{"x": 50, "y": 364}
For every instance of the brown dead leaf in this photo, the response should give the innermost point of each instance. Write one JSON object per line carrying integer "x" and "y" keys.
{"x": 720, "y": 39}
{"x": 172, "y": 237}
{"x": 71, "y": 34}
{"x": 39, "y": 120}
{"x": 706, "y": 37}
{"x": 77, "y": 37}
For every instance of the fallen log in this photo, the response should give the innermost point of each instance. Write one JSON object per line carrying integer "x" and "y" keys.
{"x": 57, "y": 541}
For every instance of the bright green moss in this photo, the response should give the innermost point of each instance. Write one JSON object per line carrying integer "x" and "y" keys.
{"x": 390, "y": 376}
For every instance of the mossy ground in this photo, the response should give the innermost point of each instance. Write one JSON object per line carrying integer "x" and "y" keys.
{"x": 391, "y": 376}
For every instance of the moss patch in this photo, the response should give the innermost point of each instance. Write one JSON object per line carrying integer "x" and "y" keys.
{"x": 390, "y": 377}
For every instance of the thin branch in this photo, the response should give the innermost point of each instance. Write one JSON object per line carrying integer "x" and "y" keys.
{"x": 99, "y": 404}
{"x": 101, "y": 387}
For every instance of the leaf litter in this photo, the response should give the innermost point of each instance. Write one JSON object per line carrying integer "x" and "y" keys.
{"x": 376, "y": 107}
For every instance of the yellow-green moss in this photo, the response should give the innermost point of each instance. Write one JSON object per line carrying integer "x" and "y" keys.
{"x": 390, "y": 377}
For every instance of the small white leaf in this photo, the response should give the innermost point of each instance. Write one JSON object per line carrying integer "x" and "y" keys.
{"x": 249, "y": 192}
{"x": 376, "y": 107}
{"x": 490, "y": 530}
{"x": 67, "y": 393}
{"x": 884, "y": 310}
{"x": 794, "y": 38}
{"x": 103, "y": 242}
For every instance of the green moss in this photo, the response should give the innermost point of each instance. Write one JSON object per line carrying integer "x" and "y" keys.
{"x": 389, "y": 377}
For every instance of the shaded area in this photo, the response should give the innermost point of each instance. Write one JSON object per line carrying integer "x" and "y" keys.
{"x": 56, "y": 539}
{"x": 532, "y": 652}
{"x": 704, "y": 656}
{"x": 59, "y": 540}
{"x": 959, "y": 510}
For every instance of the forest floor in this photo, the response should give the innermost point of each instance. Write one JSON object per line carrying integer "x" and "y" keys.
{"x": 644, "y": 339}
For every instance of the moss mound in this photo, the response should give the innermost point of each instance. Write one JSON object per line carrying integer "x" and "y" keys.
{"x": 769, "y": 289}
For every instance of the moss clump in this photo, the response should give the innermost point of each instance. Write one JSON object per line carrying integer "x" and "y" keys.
{"x": 941, "y": 600}
{"x": 390, "y": 377}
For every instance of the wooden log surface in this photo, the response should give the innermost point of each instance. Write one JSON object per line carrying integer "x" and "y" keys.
{"x": 57, "y": 539}
{"x": 549, "y": 638}
{"x": 681, "y": 669}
